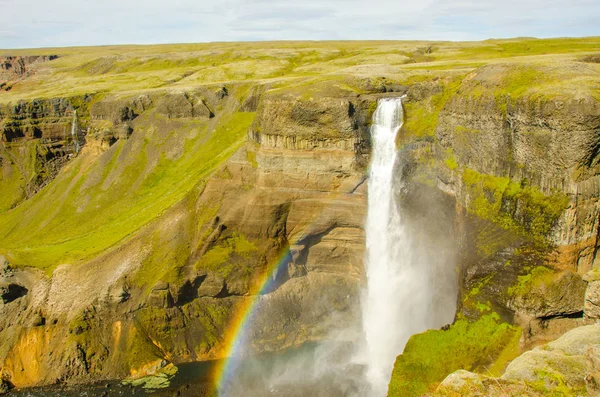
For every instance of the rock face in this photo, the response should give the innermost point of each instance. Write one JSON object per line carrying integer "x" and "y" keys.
{"x": 36, "y": 141}
{"x": 522, "y": 168}
{"x": 592, "y": 295}
{"x": 16, "y": 67}
{"x": 278, "y": 226}
{"x": 525, "y": 171}
{"x": 567, "y": 366}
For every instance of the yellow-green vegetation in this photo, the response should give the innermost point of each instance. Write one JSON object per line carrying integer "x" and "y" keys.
{"x": 483, "y": 346}
{"x": 98, "y": 202}
{"x": 251, "y": 157}
{"x": 226, "y": 255}
{"x": 21, "y": 168}
{"x": 527, "y": 47}
{"x": 450, "y": 160}
{"x": 554, "y": 384}
{"x": 422, "y": 116}
{"x": 82, "y": 70}
{"x": 535, "y": 277}
{"x": 513, "y": 205}
{"x": 11, "y": 186}
{"x": 473, "y": 299}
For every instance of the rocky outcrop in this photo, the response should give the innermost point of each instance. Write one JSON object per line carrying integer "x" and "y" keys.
{"x": 275, "y": 223}
{"x": 13, "y": 68}
{"x": 181, "y": 104}
{"x": 567, "y": 366}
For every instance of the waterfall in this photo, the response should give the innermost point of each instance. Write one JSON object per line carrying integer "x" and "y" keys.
{"x": 74, "y": 132}
{"x": 397, "y": 300}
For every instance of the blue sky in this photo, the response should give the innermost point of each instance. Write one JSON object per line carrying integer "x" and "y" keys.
{"x": 43, "y": 23}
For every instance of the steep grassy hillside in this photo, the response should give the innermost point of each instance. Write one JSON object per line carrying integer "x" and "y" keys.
{"x": 97, "y": 202}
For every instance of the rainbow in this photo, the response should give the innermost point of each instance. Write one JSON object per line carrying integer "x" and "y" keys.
{"x": 236, "y": 334}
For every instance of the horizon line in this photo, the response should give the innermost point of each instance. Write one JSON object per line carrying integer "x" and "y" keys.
{"x": 294, "y": 41}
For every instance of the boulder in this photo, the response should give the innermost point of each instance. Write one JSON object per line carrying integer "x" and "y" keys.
{"x": 461, "y": 379}
{"x": 221, "y": 92}
{"x": 559, "y": 365}
{"x": 592, "y": 378}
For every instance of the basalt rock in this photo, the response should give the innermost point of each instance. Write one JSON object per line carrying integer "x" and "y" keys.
{"x": 523, "y": 171}
{"x": 183, "y": 105}
{"x": 15, "y": 67}
{"x": 10, "y": 292}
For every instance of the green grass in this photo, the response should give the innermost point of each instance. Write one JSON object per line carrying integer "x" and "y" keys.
{"x": 81, "y": 214}
{"x": 528, "y": 47}
{"x": 130, "y": 69}
{"x": 484, "y": 346}
{"x": 22, "y": 165}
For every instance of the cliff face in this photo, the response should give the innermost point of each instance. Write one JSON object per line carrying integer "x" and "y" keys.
{"x": 36, "y": 141}
{"x": 14, "y": 68}
{"x": 292, "y": 198}
{"x": 522, "y": 167}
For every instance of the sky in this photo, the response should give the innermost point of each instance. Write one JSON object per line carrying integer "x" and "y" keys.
{"x": 57, "y": 23}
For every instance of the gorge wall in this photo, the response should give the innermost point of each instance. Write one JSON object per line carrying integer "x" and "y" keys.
{"x": 292, "y": 195}
{"x": 140, "y": 250}
{"x": 523, "y": 171}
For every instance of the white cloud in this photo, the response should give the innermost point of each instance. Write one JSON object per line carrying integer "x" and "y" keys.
{"x": 65, "y": 22}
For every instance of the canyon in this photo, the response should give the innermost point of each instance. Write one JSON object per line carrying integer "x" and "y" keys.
{"x": 134, "y": 235}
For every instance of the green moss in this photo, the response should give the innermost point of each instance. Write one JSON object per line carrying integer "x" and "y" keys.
{"x": 421, "y": 117}
{"x": 519, "y": 79}
{"x": 139, "y": 350}
{"x": 484, "y": 345}
{"x": 473, "y": 299}
{"x": 23, "y": 168}
{"x": 554, "y": 384}
{"x": 513, "y": 205}
{"x": 11, "y": 186}
{"x": 225, "y": 256}
{"x": 537, "y": 276}
{"x": 251, "y": 157}
{"x": 450, "y": 160}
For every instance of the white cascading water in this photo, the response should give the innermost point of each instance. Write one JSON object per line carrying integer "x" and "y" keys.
{"x": 396, "y": 302}
{"x": 74, "y": 132}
